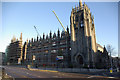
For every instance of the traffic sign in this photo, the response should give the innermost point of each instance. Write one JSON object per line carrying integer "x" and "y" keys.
{"x": 59, "y": 58}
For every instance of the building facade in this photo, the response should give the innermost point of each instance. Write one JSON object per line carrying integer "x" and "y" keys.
{"x": 44, "y": 51}
{"x": 14, "y": 51}
{"x": 74, "y": 48}
{"x": 78, "y": 47}
{"x": 83, "y": 39}
{"x": 2, "y": 58}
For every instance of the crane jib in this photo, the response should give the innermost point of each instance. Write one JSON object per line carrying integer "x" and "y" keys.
{"x": 59, "y": 21}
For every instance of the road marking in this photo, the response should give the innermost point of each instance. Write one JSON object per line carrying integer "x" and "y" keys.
{"x": 99, "y": 77}
{"x": 90, "y": 76}
{"x": 111, "y": 77}
{"x": 42, "y": 70}
{"x": 32, "y": 74}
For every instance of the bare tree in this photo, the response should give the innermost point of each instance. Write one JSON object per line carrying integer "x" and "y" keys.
{"x": 110, "y": 49}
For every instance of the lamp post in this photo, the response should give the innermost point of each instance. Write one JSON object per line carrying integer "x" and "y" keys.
{"x": 110, "y": 50}
{"x": 111, "y": 63}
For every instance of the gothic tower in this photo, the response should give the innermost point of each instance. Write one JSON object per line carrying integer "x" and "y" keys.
{"x": 21, "y": 46}
{"x": 83, "y": 39}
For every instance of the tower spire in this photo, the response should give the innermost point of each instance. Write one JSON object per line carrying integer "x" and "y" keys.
{"x": 21, "y": 36}
{"x": 80, "y": 3}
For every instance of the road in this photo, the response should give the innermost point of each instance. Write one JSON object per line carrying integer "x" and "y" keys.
{"x": 0, "y": 73}
{"x": 17, "y": 72}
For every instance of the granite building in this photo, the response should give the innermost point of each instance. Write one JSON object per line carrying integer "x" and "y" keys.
{"x": 47, "y": 49}
{"x": 14, "y": 51}
{"x": 2, "y": 58}
{"x": 74, "y": 48}
{"x": 78, "y": 47}
{"x": 83, "y": 39}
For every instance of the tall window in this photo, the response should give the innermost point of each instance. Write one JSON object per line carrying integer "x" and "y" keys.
{"x": 76, "y": 18}
{"x": 82, "y": 24}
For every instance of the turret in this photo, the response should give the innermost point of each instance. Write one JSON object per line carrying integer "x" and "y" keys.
{"x": 21, "y": 37}
{"x": 80, "y": 3}
{"x": 13, "y": 39}
{"x": 32, "y": 40}
{"x": 67, "y": 31}
{"x": 37, "y": 38}
{"x": 62, "y": 34}
{"x": 27, "y": 41}
{"x": 43, "y": 36}
{"x": 75, "y": 8}
{"x": 54, "y": 35}
{"x": 50, "y": 34}
{"x": 58, "y": 33}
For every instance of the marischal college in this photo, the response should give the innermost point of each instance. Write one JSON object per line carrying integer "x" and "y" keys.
{"x": 74, "y": 48}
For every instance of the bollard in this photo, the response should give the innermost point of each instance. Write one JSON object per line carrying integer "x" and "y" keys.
{"x": 28, "y": 66}
{"x": 117, "y": 69}
{"x": 111, "y": 71}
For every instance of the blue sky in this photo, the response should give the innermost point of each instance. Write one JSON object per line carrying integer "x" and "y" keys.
{"x": 20, "y": 17}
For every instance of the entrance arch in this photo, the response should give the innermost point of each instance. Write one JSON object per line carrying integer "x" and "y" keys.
{"x": 80, "y": 59}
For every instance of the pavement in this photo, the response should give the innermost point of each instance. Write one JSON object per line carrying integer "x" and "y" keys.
{"x": 34, "y": 74}
{"x": 0, "y": 73}
{"x": 98, "y": 73}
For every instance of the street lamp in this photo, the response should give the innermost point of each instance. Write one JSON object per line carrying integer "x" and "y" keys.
{"x": 110, "y": 50}
{"x": 111, "y": 63}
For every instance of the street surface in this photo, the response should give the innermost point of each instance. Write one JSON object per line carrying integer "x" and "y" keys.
{"x": 0, "y": 73}
{"x": 17, "y": 72}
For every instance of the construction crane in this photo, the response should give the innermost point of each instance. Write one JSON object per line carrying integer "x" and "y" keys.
{"x": 37, "y": 31}
{"x": 59, "y": 21}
